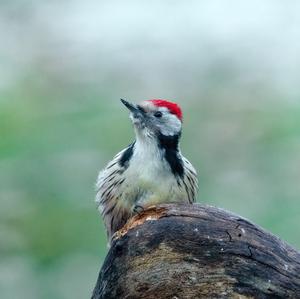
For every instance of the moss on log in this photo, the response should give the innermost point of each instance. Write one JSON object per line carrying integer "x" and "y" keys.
{"x": 194, "y": 251}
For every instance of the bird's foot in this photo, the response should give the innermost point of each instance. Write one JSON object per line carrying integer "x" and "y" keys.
{"x": 138, "y": 209}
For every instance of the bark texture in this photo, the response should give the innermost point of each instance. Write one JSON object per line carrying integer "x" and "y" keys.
{"x": 194, "y": 251}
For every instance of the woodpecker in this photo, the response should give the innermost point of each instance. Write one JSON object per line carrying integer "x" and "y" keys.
{"x": 151, "y": 170}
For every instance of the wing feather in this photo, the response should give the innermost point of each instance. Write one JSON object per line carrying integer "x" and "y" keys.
{"x": 190, "y": 180}
{"x": 108, "y": 188}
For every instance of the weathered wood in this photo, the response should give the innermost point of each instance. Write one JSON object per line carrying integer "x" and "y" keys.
{"x": 194, "y": 251}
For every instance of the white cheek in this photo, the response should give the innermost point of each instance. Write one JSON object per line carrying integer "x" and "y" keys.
{"x": 171, "y": 126}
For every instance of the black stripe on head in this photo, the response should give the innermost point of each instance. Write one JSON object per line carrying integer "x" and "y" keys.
{"x": 126, "y": 156}
{"x": 170, "y": 145}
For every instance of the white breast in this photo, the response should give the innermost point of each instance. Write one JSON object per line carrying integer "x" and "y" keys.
{"x": 149, "y": 178}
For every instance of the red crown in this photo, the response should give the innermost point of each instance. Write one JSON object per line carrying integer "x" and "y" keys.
{"x": 173, "y": 107}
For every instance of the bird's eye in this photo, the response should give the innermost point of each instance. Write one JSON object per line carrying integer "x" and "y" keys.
{"x": 158, "y": 114}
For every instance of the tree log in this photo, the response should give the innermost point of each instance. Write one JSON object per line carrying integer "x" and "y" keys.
{"x": 194, "y": 251}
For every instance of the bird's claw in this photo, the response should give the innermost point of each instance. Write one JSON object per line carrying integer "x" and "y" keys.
{"x": 137, "y": 209}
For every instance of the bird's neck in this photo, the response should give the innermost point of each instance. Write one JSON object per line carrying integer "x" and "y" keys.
{"x": 148, "y": 148}
{"x": 163, "y": 147}
{"x": 158, "y": 143}
{"x": 169, "y": 142}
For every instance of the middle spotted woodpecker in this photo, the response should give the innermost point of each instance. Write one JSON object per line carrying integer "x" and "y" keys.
{"x": 151, "y": 170}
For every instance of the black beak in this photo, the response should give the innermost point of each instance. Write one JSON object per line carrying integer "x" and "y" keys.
{"x": 131, "y": 107}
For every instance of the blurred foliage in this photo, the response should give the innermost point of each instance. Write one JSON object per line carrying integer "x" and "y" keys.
{"x": 61, "y": 121}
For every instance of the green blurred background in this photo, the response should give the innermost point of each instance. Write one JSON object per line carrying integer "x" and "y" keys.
{"x": 233, "y": 66}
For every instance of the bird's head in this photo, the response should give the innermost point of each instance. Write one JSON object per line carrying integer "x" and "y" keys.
{"x": 153, "y": 118}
